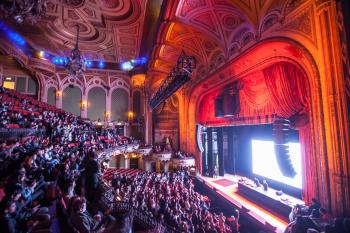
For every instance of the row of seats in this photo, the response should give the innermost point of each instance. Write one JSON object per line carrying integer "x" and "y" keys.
{"x": 108, "y": 174}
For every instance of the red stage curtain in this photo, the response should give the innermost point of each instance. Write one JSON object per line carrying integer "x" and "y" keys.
{"x": 310, "y": 179}
{"x": 288, "y": 88}
{"x": 255, "y": 97}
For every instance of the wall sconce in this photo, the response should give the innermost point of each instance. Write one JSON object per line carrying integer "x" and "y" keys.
{"x": 83, "y": 104}
{"x": 130, "y": 116}
{"x": 58, "y": 93}
{"x": 107, "y": 115}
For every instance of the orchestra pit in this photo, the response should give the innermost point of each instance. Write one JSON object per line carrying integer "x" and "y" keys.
{"x": 174, "y": 116}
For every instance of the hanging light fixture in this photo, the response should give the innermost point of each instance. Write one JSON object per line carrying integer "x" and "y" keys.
{"x": 25, "y": 9}
{"x": 178, "y": 76}
{"x": 75, "y": 64}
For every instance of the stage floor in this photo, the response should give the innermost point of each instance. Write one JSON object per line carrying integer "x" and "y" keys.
{"x": 227, "y": 187}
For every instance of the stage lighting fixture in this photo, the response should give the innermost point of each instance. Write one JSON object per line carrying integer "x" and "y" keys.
{"x": 178, "y": 76}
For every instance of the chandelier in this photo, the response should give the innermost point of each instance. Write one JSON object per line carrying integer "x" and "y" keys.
{"x": 75, "y": 64}
{"x": 25, "y": 9}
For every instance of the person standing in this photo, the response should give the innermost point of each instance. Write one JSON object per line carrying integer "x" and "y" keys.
{"x": 92, "y": 182}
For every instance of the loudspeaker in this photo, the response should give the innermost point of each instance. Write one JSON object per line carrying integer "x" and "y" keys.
{"x": 281, "y": 129}
{"x": 231, "y": 104}
{"x": 219, "y": 107}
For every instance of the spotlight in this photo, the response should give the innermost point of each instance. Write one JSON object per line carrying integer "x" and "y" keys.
{"x": 143, "y": 60}
{"x": 41, "y": 54}
{"x": 101, "y": 64}
{"x": 127, "y": 66}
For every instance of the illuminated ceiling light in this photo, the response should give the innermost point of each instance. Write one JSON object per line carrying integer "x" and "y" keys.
{"x": 127, "y": 66}
{"x": 143, "y": 60}
{"x": 41, "y": 54}
{"x": 88, "y": 63}
{"x": 101, "y": 64}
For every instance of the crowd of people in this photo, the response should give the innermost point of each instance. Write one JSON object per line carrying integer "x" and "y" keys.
{"x": 315, "y": 219}
{"x": 35, "y": 170}
{"x": 182, "y": 155}
{"x": 170, "y": 198}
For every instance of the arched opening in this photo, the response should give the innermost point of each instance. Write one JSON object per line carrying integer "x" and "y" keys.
{"x": 119, "y": 105}
{"x": 277, "y": 91}
{"x": 71, "y": 100}
{"x": 312, "y": 135}
{"x": 51, "y": 96}
{"x": 96, "y": 103}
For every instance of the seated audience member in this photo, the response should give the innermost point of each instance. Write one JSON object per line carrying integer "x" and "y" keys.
{"x": 294, "y": 213}
{"x": 315, "y": 205}
{"x": 11, "y": 224}
{"x": 84, "y": 222}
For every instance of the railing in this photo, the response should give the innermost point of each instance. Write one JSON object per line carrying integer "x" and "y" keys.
{"x": 107, "y": 153}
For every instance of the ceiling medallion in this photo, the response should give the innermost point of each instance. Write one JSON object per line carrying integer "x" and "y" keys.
{"x": 75, "y": 64}
{"x": 21, "y": 10}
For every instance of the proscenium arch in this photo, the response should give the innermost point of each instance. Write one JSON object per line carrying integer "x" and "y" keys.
{"x": 259, "y": 56}
{"x": 307, "y": 64}
{"x": 96, "y": 104}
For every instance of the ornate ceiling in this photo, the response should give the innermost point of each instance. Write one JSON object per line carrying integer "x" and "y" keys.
{"x": 110, "y": 30}
{"x": 215, "y": 32}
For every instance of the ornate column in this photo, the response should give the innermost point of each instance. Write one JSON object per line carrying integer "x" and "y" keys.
{"x": 1, "y": 74}
{"x": 84, "y": 105}
{"x": 127, "y": 162}
{"x": 148, "y": 121}
{"x": 183, "y": 122}
{"x": 108, "y": 107}
{"x": 334, "y": 191}
{"x": 43, "y": 94}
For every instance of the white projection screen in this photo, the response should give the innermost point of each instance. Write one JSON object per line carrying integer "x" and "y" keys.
{"x": 264, "y": 162}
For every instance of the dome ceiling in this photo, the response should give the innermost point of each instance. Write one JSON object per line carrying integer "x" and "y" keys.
{"x": 110, "y": 30}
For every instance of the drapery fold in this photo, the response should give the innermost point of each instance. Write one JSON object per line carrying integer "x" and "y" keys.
{"x": 288, "y": 88}
{"x": 279, "y": 90}
{"x": 310, "y": 176}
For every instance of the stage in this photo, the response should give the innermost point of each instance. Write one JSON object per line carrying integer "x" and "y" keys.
{"x": 227, "y": 187}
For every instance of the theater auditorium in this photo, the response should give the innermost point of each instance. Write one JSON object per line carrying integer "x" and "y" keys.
{"x": 174, "y": 116}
